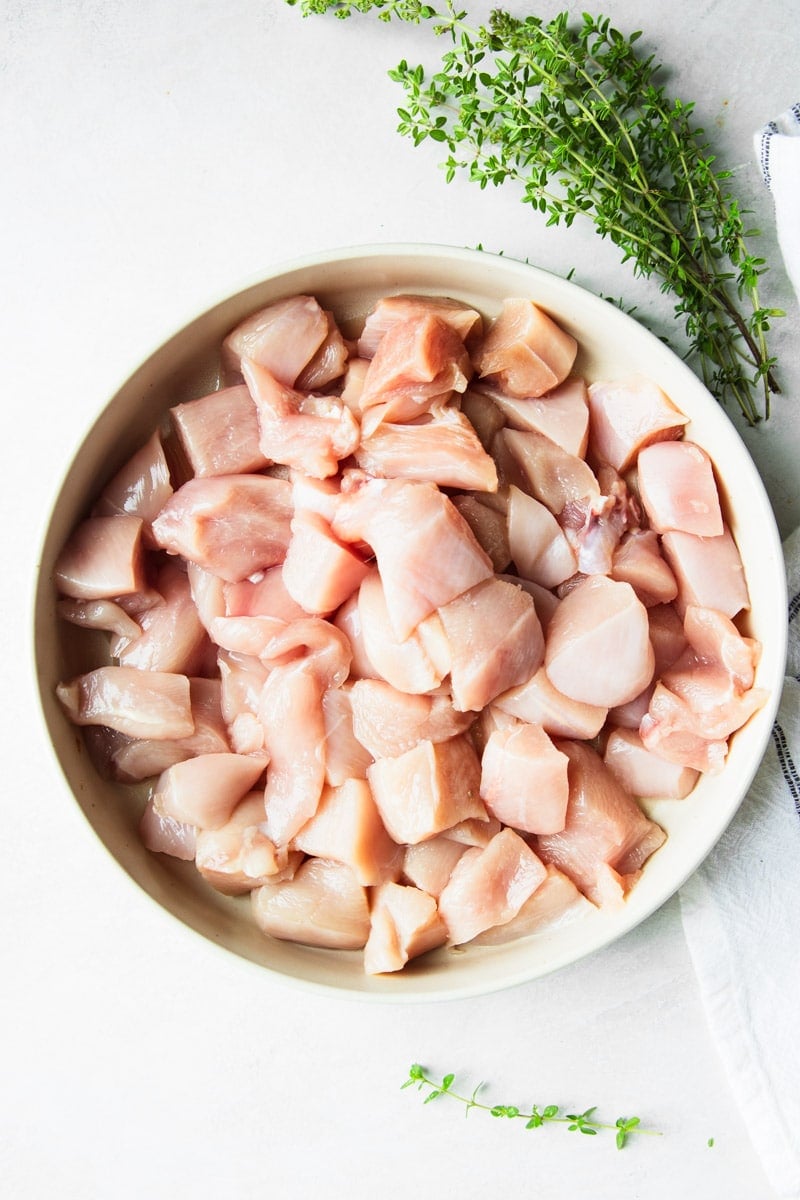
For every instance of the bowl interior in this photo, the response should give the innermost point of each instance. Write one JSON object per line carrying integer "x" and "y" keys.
{"x": 611, "y": 345}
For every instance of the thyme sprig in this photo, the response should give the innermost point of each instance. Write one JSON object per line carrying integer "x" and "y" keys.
{"x": 550, "y": 1114}
{"x": 576, "y": 118}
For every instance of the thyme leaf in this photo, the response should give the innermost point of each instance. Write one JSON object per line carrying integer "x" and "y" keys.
{"x": 576, "y": 118}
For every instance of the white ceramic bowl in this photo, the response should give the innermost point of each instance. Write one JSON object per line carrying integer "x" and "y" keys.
{"x": 611, "y": 344}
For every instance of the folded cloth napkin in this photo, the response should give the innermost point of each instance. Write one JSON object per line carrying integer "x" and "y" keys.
{"x": 741, "y": 910}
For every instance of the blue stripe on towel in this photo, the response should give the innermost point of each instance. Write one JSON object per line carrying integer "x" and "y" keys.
{"x": 788, "y": 768}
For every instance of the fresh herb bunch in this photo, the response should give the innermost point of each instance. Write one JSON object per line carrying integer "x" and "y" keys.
{"x": 576, "y": 118}
{"x": 550, "y": 1114}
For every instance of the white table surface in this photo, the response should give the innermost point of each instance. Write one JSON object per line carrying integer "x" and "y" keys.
{"x": 154, "y": 156}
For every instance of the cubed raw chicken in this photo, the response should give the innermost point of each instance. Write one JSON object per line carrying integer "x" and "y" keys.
{"x": 561, "y": 415}
{"x": 478, "y": 406}
{"x": 219, "y": 433}
{"x": 232, "y": 525}
{"x": 164, "y": 835}
{"x": 204, "y": 791}
{"x": 307, "y": 433}
{"x": 322, "y": 905}
{"x": 714, "y": 638}
{"x": 489, "y": 527}
{"x": 404, "y": 923}
{"x": 524, "y": 779}
{"x": 107, "y": 615}
{"x": 495, "y": 641}
{"x": 141, "y": 704}
{"x": 605, "y": 828}
{"x": 441, "y": 449}
{"x": 595, "y": 524}
{"x": 389, "y": 722}
{"x": 172, "y": 637}
{"x": 540, "y": 702}
{"x": 348, "y": 620}
{"x": 140, "y": 488}
{"x": 541, "y": 468}
{"x": 238, "y": 856}
{"x": 488, "y": 886}
{"x": 537, "y": 543}
{"x": 708, "y": 571}
{"x": 418, "y": 364}
{"x": 427, "y": 789}
{"x": 290, "y": 711}
{"x": 426, "y": 552}
{"x": 627, "y": 415}
{"x": 678, "y": 489}
{"x": 329, "y": 362}
{"x": 283, "y": 337}
{"x": 643, "y": 773}
{"x": 347, "y": 828}
{"x": 638, "y": 560}
{"x": 102, "y": 559}
{"x": 134, "y": 759}
{"x": 670, "y": 729}
{"x": 524, "y": 351}
{"x": 390, "y": 310}
{"x": 600, "y": 622}
{"x": 428, "y": 865}
{"x": 262, "y": 595}
{"x": 319, "y": 571}
{"x": 345, "y": 756}
{"x": 555, "y": 901}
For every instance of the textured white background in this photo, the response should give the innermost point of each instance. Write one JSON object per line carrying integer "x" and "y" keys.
{"x": 154, "y": 155}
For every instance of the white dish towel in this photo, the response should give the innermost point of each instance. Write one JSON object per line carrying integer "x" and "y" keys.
{"x": 741, "y": 910}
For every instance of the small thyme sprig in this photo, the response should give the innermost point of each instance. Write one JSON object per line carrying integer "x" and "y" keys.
{"x": 583, "y": 1122}
{"x": 575, "y": 117}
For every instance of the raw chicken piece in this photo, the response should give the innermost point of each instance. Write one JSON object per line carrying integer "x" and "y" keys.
{"x": 390, "y": 310}
{"x": 670, "y": 730}
{"x": 637, "y": 560}
{"x": 348, "y": 621}
{"x": 426, "y": 552}
{"x": 555, "y": 901}
{"x": 715, "y": 639}
{"x": 483, "y": 414}
{"x": 539, "y": 467}
{"x": 219, "y": 433}
{"x": 164, "y": 835}
{"x": 598, "y": 623}
{"x": 643, "y": 773}
{"x": 389, "y": 722}
{"x": 667, "y": 635}
{"x": 626, "y": 416}
{"x": 134, "y": 759}
{"x": 474, "y": 831}
{"x": 347, "y": 828}
{"x": 146, "y": 704}
{"x": 495, "y": 641}
{"x": 353, "y": 384}
{"x": 540, "y": 703}
{"x": 629, "y": 715}
{"x": 525, "y": 352}
{"x": 404, "y": 923}
{"x": 488, "y": 886}
{"x": 323, "y": 905}
{"x": 427, "y": 789}
{"x": 307, "y": 433}
{"x": 319, "y": 646}
{"x": 208, "y": 594}
{"x": 417, "y": 366}
{"x": 441, "y": 449}
{"x": 678, "y": 489}
{"x": 708, "y": 571}
{"x": 102, "y": 559}
{"x": 310, "y": 495}
{"x": 489, "y": 527}
{"x": 238, "y": 856}
{"x": 595, "y": 524}
{"x": 537, "y": 543}
{"x": 283, "y": 337}
{"x": 246, "y": 635}
{"x": 172, "y": 637}
{"x": 242, "y": 679}
{"x": 605, "y": 827}
{"x": 545, "y": 601}
{"x": 263, "y": 595}
{"x": 561, "y": 415}
{"x": 524, "y": 779}
{"x": 319, "y": 571}
{"x": 100, "y": 614}
{"x": 328, "y": 363}
{"x": 429, "y": 864}
{"x": 718, "y": 705}
{"x": 290, "y": 710}
{"x": 232, "y": 525}
{"x": 345, "y": 757}
{"x": 140, "y": 488}
{"x": 204, "y": 791}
